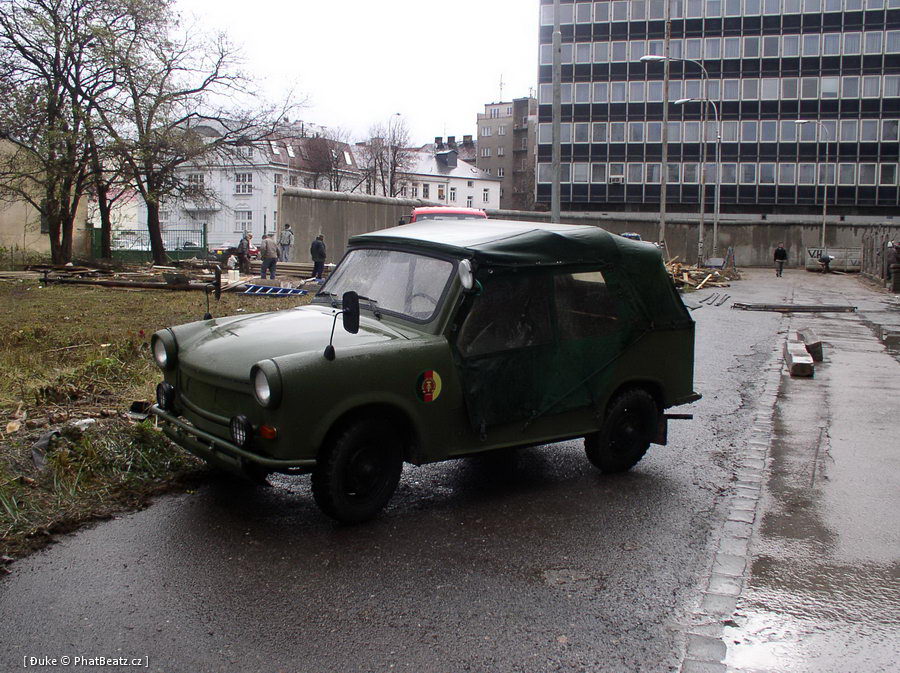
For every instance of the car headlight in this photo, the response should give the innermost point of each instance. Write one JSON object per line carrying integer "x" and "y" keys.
{"x": 265, "y": 379}
{"x": 165, "y": 349}
{"x": 261, "y": 387}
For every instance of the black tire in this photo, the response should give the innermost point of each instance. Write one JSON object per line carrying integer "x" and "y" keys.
{"x": 627, "y": 431}
{"x": 358, "y": 471}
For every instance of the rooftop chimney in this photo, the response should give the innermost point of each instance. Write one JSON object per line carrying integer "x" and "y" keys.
{"x": 451, "y": 142}
{"x": 438, "y": 142}
{"x": 467, "y": 140}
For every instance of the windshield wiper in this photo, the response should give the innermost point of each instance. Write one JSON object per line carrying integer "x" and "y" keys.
{"x": 374, "y": 303}
{"x": 320, "y": 293}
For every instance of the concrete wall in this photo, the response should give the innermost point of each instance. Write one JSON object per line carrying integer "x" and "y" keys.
{"x": 20, "y": 230}
{"x": 339, "y": 215}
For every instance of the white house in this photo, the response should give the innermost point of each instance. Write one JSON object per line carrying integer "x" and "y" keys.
{"x": 442, "y": 177}
{"x": 239, "y": 192}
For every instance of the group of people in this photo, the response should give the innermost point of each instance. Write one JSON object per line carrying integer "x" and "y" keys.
{"x": 272, "y": 252}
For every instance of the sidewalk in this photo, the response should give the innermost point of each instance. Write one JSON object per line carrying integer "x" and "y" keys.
{"x": 820, "y": 589}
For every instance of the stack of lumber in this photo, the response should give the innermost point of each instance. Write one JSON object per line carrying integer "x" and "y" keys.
{"x": 298, "y": 269}
{"x": 688, "y": 276}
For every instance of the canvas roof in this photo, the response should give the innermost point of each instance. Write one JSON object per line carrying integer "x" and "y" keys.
{"x": 513, "y": 243}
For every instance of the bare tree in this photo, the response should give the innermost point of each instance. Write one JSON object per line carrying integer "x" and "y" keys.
{"x": 386, "y": 156}
{"x": 45, "y": 51}
{"x": 173, "y": 83}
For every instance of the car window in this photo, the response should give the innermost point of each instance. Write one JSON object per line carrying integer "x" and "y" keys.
{"x": 584, "y": 305}
{"x": 402, "y": 283}
{"x": 510, "y": 313}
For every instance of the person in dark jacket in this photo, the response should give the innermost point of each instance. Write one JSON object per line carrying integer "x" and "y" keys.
{"x": 243, "y": 253}
{"x": 318, "y": 254}
{"x": 780, "y": 259}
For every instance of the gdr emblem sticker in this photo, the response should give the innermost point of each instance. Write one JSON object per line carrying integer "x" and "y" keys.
{"x": 428, "y": 388}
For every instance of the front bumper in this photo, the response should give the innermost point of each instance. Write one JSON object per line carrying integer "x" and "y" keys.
{"x": 217, "y": 450}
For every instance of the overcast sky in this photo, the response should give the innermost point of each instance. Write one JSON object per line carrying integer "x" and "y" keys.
{"x": 437, "y": 62}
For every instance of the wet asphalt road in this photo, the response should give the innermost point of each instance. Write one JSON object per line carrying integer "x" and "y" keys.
{"x": 477, "y": 565}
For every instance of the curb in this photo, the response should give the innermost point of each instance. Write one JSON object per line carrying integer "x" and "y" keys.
{"x": 705, "y": 649}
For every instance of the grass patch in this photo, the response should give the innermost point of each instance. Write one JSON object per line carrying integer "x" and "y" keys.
{"x": 70, "y": 353}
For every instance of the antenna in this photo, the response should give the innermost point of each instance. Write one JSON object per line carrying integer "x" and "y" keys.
{"x": 501, "y": 87}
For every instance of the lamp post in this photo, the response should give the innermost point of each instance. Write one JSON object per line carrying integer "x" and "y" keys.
{"x": 656, "y": 58}
{"x": 800, "y": 122}
{"x": 718, "y": 185}
{"x": 555, "y": 166}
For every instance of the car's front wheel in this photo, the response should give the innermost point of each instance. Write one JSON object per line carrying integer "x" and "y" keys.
{"x": 627, "y": 431}
{"x": 358, "y": 471}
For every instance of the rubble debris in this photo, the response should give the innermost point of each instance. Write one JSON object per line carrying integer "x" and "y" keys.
{"x": 799, "y": 362}
{"x": 812, "y": 343}
{"x": 686, "y": 276}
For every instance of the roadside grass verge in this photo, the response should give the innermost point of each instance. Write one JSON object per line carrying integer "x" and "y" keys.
{"x": 73, "y": 359}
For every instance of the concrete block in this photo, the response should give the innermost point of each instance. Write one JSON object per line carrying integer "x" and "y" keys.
{"x": 799, "y": 362}
{"x": 812, "y": 342}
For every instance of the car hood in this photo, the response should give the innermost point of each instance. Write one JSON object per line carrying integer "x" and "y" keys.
{"x": 229, "y": 347}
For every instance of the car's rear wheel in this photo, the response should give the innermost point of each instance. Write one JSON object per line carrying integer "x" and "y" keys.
{"x": 627, "y": 431}
{"x": 358, "y": 471}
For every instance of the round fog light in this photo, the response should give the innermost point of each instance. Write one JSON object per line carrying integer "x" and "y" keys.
{"x": 241, "y": 430}
{"x": 165, "y": 396}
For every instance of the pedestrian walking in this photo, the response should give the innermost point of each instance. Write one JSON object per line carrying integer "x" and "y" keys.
{"x": 318, "y": 254}
{"x": 269, "y": 252}
{"x": 893, "y": 257}
{"x": 243, "y": 253}
{"x": 780, "y": 259}
{"x": 286, "y": 241}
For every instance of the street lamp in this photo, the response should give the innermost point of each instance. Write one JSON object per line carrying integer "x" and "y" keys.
{"x": 800, "y": 122}
{"x": 716, "y": 201}
{"x": 656, "y": 58}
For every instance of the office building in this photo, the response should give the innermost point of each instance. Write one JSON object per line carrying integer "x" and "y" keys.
{"x": 771, "y": 63}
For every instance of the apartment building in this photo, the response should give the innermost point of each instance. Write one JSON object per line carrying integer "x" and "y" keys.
{"x": 506, "y": 134}
{"x": 808, "y": 93}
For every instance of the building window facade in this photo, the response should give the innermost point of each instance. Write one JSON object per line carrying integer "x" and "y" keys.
{"x": 243, "y": 220}
{"x": 243, "y": 183}
{"x": 770, "y": 63}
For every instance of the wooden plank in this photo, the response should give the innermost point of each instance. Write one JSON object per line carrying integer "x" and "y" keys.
{"x": 703, "y": 282}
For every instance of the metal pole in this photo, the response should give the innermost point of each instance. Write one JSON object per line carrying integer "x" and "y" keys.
{"x": 664, "y": 174}
{"x": 702, "y": 167}
{"x": 716, "y": 202}
{"x": 557, "y": 113}
{"x": 825, "y": 186}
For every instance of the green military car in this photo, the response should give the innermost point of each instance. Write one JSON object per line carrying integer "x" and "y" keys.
{"x": 457, "y": 338}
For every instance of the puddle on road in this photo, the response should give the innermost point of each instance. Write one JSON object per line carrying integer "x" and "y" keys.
{"x": 790, "y": 644}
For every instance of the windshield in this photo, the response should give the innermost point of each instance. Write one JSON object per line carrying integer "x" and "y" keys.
{"x": 402, "y": 283}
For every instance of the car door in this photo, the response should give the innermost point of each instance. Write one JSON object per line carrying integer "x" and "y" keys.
{"x": 502, "y": 345}
{"x": 540, "y": 343}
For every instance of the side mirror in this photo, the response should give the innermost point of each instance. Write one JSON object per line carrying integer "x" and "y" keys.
{"x": 350, "y": 305}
